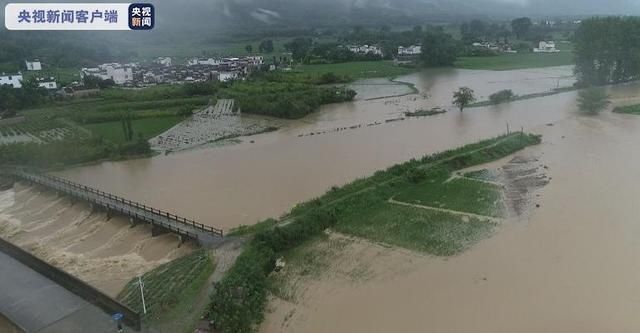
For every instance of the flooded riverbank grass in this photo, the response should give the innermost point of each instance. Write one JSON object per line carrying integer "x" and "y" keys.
{"x": 430, "y": 231}
{"x": 459, "y": 194}
{"x": 629, "y": 109}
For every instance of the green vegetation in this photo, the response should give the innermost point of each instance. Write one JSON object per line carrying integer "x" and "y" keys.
{"x": 501, "y": 96}
{"x": 606, "y": 50}
{"x": 555, "y": 91}
{"x": 170, "y": 289}
{"x": 357, "y": 70}
{"x": 430, "y": 231}
{"x": 516, "y": 61}
{"x": 629, "y": 109}
{"x": 464, "y": 195}
{"x": 284, "y": 96}
{"x": 593, "y": 100}
{"x": 463, "y": 97}
{"x": 146, "y": 128}
{"x": 363, "y": 208}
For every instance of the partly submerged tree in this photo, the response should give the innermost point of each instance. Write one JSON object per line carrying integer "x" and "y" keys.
{"x": 463, "y": 97}
{"x": 593, "y": 100}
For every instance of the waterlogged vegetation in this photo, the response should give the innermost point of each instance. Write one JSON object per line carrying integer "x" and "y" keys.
{"x": 170, "y": 289}
{"x": 367, "y": 208}
{"x": 629, "y": 109}
{"x": 502, "y": 97}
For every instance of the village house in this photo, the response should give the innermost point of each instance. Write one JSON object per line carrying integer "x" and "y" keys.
{"x": 34, "y": 65}
{"x": 365, "y": 49}
{"x": 120, "y": 74}
{"x": 546, "y": 47}
{"x": 408, "y": 54}
{"x": 13, "y": 80}
{"x": 47, "y": 83}
{"x": 204, "y": 61}
{"x": 164, "y": 61}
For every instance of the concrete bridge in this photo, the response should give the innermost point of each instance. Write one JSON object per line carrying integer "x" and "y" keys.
{"x": 160, "y": 221}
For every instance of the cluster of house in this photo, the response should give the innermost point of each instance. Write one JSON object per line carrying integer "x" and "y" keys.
{"x": 162, "y": 70}
{"x": 365, "y": 49}
{"x": 546, "y": 47}
{"x": 15, "y": 80}
{"x": 496, "y": 47}
{"x": 408, "y": 54}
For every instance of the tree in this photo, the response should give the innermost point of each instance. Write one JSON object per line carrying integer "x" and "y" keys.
{"x": 607, "y": 50}
{"x": 463, "y": 97}
{"x": 439, "y": 49}
{"x": 266, "y": 46}
{"x": 593, "y": 100}
{"x": 249, "y": 48}
{"x": 299, "y": 47}
{"x": 521, "y": 26}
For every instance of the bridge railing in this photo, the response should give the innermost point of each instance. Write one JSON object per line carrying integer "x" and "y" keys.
{"x": 40, "y": 178}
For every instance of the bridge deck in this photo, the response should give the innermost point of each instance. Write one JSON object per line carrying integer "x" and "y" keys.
{"x": 204, "y": 234}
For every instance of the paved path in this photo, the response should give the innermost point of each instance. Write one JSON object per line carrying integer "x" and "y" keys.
{"x": 39, "y": 305}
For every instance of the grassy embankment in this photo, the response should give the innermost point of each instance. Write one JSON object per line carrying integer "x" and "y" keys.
{"x": 170, "y": 292}
{"x": 629, "y": 109}
{"x": 515, "y": 98}
{"x": 392, "y": 206}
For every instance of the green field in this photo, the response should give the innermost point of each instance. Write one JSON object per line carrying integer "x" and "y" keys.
{"x": 170, "y": 290}
{"x": 147, "y": 128}
{"x": 433, "y": 232}
{"x": 516, "y": 61}
{"x": 357, "y": 70}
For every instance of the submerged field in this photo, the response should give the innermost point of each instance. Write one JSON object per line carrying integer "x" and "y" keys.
{"x": 368, "y": 208}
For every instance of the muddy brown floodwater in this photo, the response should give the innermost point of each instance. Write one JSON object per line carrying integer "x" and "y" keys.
{"x": 241, "y": 184}
{"x": 572, "y": 266}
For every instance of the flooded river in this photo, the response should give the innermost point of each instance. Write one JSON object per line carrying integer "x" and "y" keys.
{"x": 241, "y": 184}
{"x": 571, "y": 267}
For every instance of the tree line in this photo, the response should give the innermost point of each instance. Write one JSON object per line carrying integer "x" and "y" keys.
{"x": 607, "y": 50}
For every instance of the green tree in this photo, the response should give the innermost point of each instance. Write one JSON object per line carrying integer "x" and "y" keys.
{"x": 249, "y": 48}
{"x": 463, "y": 97}
{"x": 521, "y": 26}
{"x": 607, "y": 50}
{"x": 439, "y": 49}
{"x": 299, "y": 48}
{"x": 593, "y": 100}
{"x": 266, "y": 46}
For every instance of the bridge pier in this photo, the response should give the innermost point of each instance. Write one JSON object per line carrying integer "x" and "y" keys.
{"x": 109, "y": 215}
{"x": 133, "y": 222}
{"x": 157, "y": 231}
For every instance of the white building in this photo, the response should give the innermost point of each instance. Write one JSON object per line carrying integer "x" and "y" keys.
{"x": 33, "y": 65}
{"x": 410, "y": 50}
{"x": 120, "y": 74}
{"x": 11, "y": 79}
{"x": 164, "y": 61}
{"x": 365, "y": 49}
{"x": 546, "y": 47}
{"x": 48, "y": 83}
{"x": 204, "y": 61}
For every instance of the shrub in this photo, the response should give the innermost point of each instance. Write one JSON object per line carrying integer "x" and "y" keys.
{"x": 501, "y": 96}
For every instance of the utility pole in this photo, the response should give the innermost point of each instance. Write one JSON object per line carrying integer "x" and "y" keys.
{"x": 141, "y": 284}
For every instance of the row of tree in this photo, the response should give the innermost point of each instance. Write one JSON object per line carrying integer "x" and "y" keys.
{"x": 607, "y": 50}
